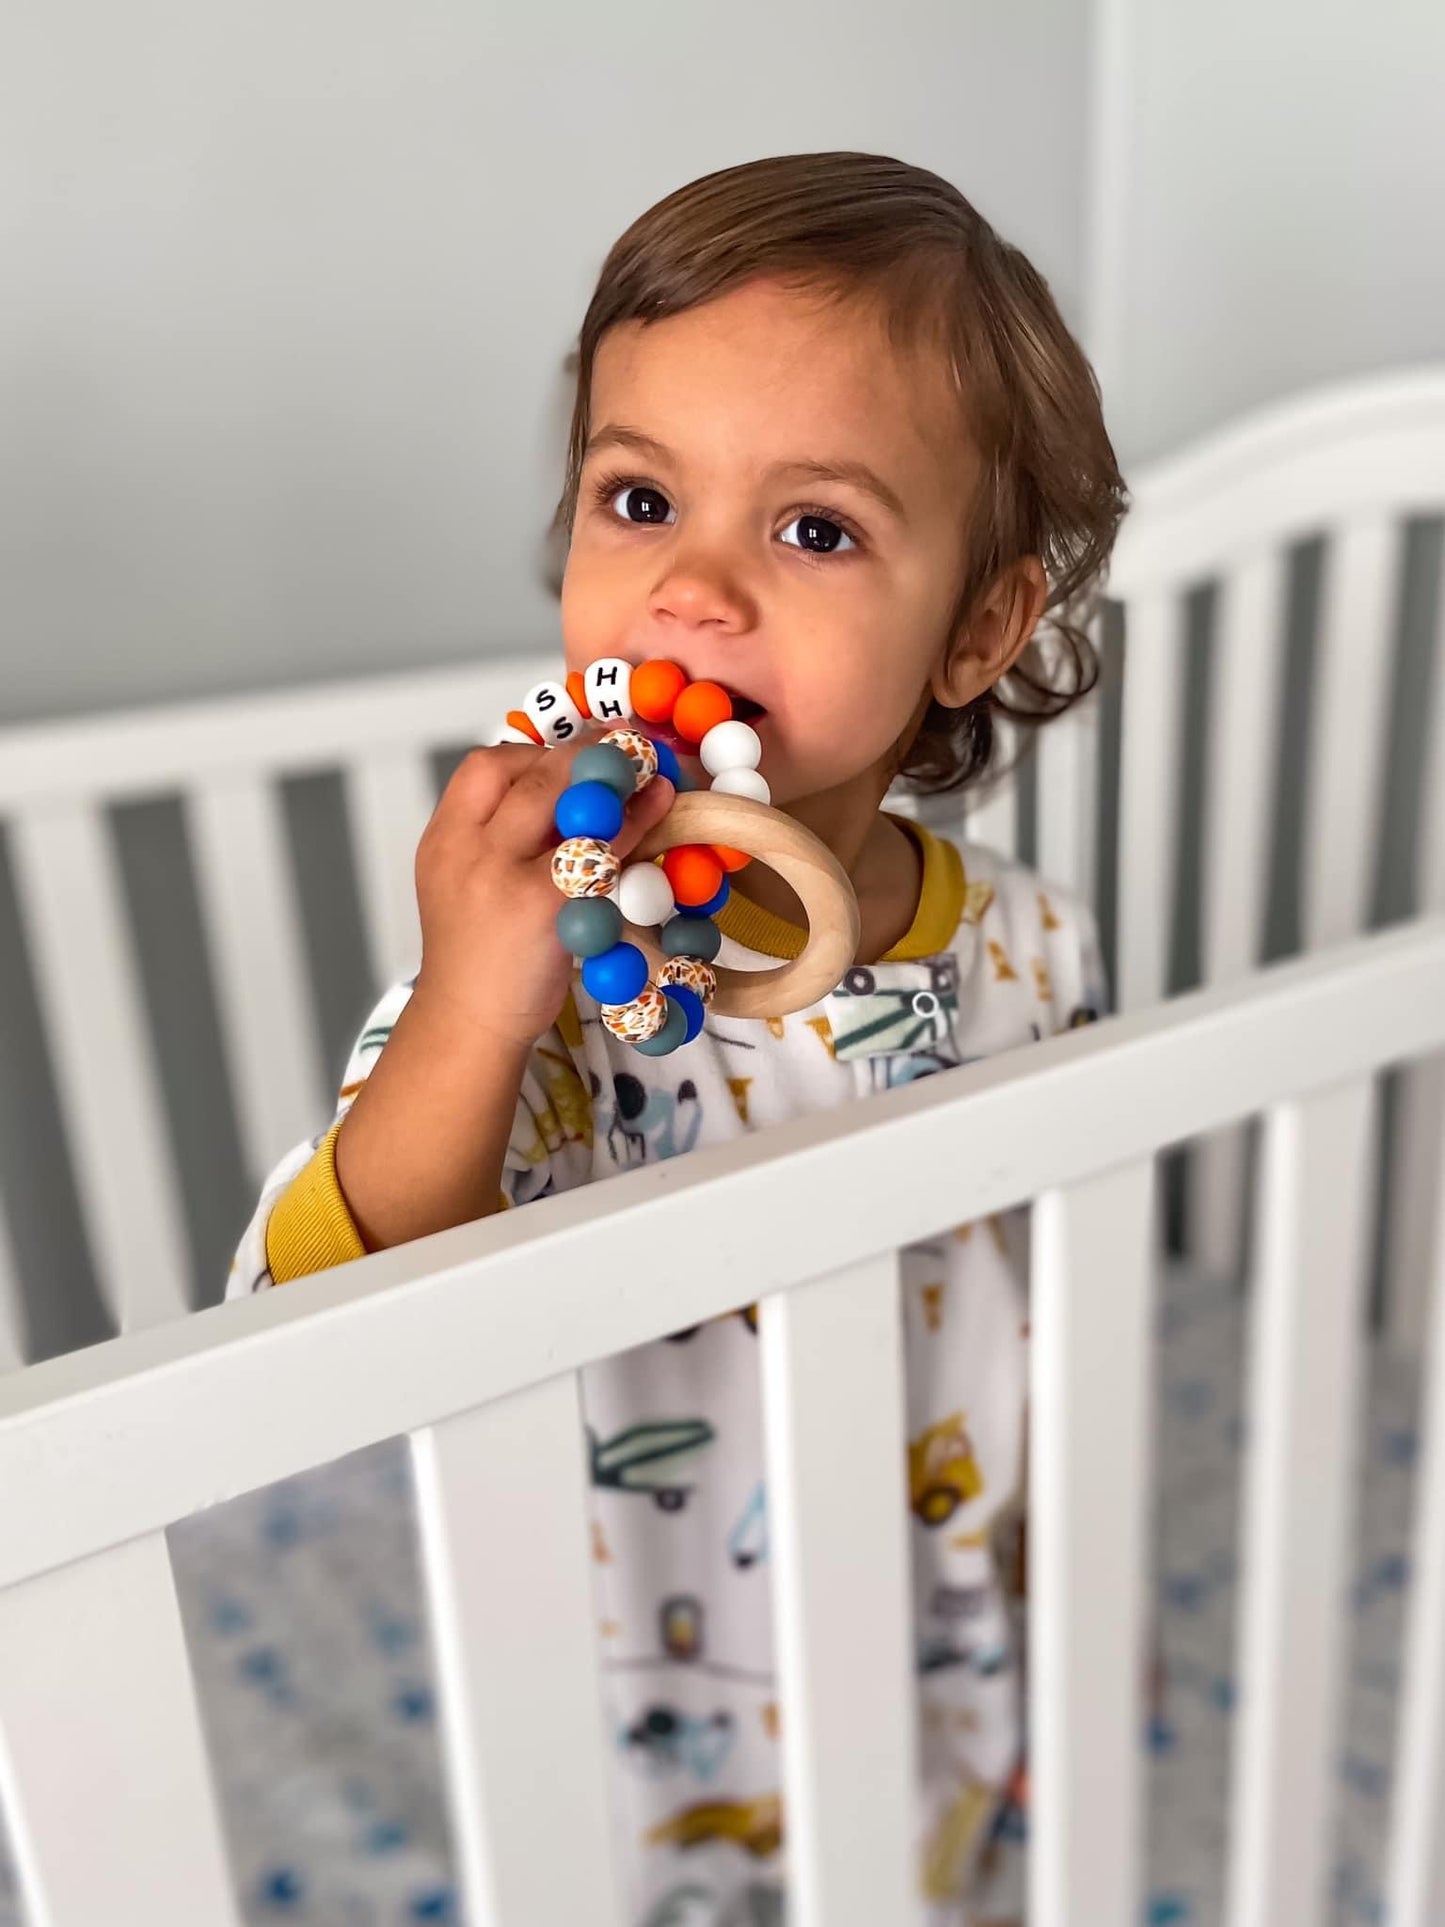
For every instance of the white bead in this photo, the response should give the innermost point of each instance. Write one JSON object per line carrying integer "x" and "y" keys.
{"x": 608, "y": 685}
{"x": 557, "y": 717}
{"x": 742, "y": 782}
{"x": 644, "y": 895}
{"x": 506, "y": 734}
{"x": 730, "y": 746}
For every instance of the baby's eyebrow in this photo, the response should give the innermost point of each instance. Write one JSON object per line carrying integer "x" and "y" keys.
{"x": 619, "y": 435}
{"x": 857, "y": 474}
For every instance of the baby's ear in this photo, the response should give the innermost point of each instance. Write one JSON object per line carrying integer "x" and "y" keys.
{"x": 994, "y": 635}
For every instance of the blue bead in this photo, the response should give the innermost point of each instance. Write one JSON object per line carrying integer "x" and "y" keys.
{"x": 672, "y": 1035}
{"x": 713, "y": 904}
{"x": 691, "y": 936}
{"x": 586, "y": 926}
{"x": 668, "y": 765}
{"x": 606, "y": 763}
{"x": 617, "y": 976}
{"x": 692, "y": 1007}
{"x": 588, "y": 809}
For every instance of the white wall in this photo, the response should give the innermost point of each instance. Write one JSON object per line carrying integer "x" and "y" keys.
{"x": 288, "y": 284}
{"x": 1282, "y": 172}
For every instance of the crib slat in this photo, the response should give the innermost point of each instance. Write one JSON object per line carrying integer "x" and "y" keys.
{"x": 248, "y": 899}
{"x": 1148, "y": 792}
{"x": 1239, "y": 794}
{"x": 994, "y": 820}
{"x": 1304, "y": 1375}
{"x": 103, "y": 1768}
{"x": 502, "y": 1502}
{"x": 1068, "y": 754}
{"x": 1416, "y": 1874}
{"x": 89, "y": 995}
{"x": 1347, "y": 749}
{"x": 390, "y": 800}
{"x": 832, "y": 1369}
{"x": 1421, "y": 1115}
{"x": 1089, "y": 1456}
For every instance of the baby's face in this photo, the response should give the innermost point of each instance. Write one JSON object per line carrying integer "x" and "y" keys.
{"x": 777, "y": 500}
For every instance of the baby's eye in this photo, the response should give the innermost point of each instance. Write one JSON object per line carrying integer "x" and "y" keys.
{"x": 817, "y": 534}
{"x": 638, "y": 503}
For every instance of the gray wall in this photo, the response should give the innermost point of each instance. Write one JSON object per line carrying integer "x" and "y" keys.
{"x": 1283, "y": 186}
{"x": 288, "y": 284}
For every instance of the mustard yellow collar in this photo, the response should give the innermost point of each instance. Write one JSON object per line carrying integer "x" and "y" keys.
{"x": 940, "y": 906}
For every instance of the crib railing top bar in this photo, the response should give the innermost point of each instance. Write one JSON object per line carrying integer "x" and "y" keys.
{"x": 134, "y": 1434}
{"x": 145, "y": 752}
{"x": 1299, "y": 469}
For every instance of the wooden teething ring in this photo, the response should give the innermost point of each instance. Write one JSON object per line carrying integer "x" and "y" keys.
{"x": 808, "y": 866}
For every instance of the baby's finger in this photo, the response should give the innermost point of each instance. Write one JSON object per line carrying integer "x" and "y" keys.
{"x": 644, "y": 813}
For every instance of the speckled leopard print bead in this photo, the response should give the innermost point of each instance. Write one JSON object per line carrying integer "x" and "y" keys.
{"x": 692, "y": 973}
{"x": 644, "y": 1017}
{"x": 585, "y": 867}
{"x": 641, "y": 750}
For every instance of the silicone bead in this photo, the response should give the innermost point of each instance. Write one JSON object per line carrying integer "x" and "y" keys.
{"x": 731, "y": 859}
{"x": 518, "y": 719}
{"x": 644, "y": 1017}
{"x": 691, "y": 937}
{"x": 577, "y": 690}
{"x": 693, "y": 872}
{"x": 667, "y": 764}
{"x": 639, "y": 750}
{"x": 699, "y": 710}
{"x": 691, "y": 1007}
{"x": 583, "y": 867}
{"x": 656, "y": 686}
{"x": 617, "y": 976}
{"x": 698, "y": 977}
{"x": 742, "y": 782}
{"x": 606, "y": 763}
{"x": 586, "y": 926}
{"x": 673, "y": 1033}
{"x": 589, "y": 809}
{"x": 714, "y": 904}
{"x": 644, "y": 895}
{"x": 553, "y": 712}
{"x": 509, "y": 734}
{"x": 608, "y": 686}
{"x": 730, "y": 745}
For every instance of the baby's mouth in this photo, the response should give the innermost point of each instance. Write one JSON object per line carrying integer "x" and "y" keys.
{"x": 745, "y": 710}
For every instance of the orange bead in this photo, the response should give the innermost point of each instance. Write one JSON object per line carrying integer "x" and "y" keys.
{"x": 731, "y": 859}
{"x": 519, "y": 719}
{"x": 577, "y": 690}
{"x": 694, "y": 873}
{"x": 700, "y": 706}
{"x": 656, "y": 686}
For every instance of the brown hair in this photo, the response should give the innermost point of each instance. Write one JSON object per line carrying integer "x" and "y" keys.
{"x": 863, "y": 224}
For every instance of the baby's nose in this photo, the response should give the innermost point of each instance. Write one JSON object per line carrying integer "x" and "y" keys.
{"x": 704, "y": 596}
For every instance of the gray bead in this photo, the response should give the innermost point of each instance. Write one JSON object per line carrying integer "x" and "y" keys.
{"x": 606, "y": 763}
{"x": 691, "y": 937}
{"x": 673, "y": 1033}
{"x": 588, "y": 925}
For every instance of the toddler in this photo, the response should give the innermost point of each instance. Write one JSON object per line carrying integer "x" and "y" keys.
{"x": 834, "y": 449}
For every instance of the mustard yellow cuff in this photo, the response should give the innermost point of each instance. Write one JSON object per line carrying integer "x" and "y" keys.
{"x": 310, "y": 1228}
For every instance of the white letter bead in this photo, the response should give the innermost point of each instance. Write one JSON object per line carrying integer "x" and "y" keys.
{"x": 730, "y": 746}
{"x": 506, "y": 734}
{"x": 644, "y": 895}
{"x": 557, "y": 717}
{"x": 608, "y": 684}
{"x": 742, "y": 782}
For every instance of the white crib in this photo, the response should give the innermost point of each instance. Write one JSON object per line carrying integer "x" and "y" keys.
{"x": 469, "y": 1343}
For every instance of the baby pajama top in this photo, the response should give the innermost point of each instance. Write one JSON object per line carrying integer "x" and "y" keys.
{"x": 674, "y": 1429}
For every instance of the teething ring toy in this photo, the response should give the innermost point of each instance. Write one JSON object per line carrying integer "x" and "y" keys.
{"x": 653, "y": 995}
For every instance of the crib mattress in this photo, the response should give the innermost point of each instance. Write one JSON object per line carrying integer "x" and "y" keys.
{"x": 303, "y": 1607}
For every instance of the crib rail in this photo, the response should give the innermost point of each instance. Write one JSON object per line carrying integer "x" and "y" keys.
{"x": 470, "y": 1342}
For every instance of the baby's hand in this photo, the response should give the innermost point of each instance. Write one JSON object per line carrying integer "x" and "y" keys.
{"x": 490, "y": 955}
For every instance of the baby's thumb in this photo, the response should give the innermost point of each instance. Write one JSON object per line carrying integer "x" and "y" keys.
{"x": 644, "y": 813}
